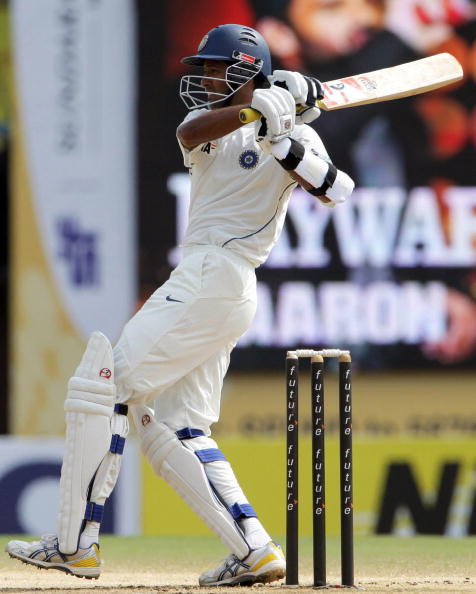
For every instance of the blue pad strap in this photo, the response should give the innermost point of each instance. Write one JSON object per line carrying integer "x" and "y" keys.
{"x": 210, "y": 455}
{"x": 117, "y": 444}
{"x": 93, "y": 512}
{"x": 242, "y": 510}
{"x": 189, "y": 433}
{"x": 121, "y": 409}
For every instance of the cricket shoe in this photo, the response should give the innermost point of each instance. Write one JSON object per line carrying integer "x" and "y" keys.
{"x": 45, "y": 554}
{"x": 262, "y": 565}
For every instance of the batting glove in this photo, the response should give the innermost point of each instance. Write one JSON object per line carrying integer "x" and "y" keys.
{"x": 278, "y": 113}
{"x": 306, "y": 91}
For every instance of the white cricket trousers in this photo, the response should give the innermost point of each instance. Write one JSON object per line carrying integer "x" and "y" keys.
{"x": 176, "y": 350}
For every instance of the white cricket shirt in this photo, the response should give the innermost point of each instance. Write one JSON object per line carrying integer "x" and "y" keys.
{"x": 239, "y": 195}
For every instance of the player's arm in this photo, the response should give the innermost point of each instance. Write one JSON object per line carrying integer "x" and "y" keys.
{"x": 317, "y": 175}
{"x": 307, "y": 186}
{"x": 209, "y": 126}
{"x": 308, "y": 165}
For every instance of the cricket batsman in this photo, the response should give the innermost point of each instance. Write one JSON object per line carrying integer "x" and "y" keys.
{"x": 168, "y": 366}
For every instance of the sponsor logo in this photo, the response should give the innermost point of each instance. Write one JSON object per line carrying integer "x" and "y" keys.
{"x": 79, "y": 250}
{"x": 246, "y": 58}
{"x": 248, "y": 159}
{"x": 169, "y": 298}
{"x": 368, "y": 83}
{"x": 145, "y": 420}
{"x": 209, "y": 146}
{"x": 105, "y": 372}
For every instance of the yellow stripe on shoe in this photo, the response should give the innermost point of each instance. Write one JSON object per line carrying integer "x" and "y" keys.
{"x": 89, "y": 562}
{"x": 92, "y": 560}
{"x": 270, "y": 557}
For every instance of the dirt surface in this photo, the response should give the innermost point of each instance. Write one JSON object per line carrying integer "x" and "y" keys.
{"x": 26, "y": 579}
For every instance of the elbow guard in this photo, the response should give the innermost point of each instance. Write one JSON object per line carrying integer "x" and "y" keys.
{"x": 325, "y": 179}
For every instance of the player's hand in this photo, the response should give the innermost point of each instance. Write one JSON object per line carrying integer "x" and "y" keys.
{"x": 278, "y": 112}
{"x": 306, "y": 91}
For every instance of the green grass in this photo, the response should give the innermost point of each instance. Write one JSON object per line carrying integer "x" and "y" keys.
{"x": 374, "y": 555}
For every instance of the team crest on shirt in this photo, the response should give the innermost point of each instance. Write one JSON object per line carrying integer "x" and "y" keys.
{"x": 248, "y": 159}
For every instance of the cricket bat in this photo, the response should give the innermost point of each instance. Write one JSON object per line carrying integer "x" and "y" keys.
{"x": 395, "y": 82}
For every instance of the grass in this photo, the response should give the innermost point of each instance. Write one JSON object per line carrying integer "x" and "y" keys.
{"x": 374, "y": 555}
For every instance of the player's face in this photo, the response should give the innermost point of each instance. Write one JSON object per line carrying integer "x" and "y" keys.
{"x": 213, "y": 81}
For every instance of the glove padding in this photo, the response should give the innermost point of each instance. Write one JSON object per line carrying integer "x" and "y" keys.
{"x": 306, "y": 91}
{"x": 278, "y": 112}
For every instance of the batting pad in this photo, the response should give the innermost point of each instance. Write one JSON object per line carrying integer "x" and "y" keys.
{"x": 89, "y": 408}
{"x": 184, "y": 472}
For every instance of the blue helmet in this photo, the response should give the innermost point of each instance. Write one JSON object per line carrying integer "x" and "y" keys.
{"x": 242, "y": 47}
{"x": 227, "y": 42}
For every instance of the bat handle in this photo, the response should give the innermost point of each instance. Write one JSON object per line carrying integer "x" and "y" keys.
{"x": 248, "y": 115}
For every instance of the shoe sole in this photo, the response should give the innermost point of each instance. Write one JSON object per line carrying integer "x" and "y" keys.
{"x": 89, "y": 573}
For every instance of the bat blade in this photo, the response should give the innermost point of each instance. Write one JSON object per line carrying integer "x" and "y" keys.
{"x": 395, "y": 82}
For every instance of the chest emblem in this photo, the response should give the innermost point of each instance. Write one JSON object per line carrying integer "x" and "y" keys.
{"x": 248, "y": 159}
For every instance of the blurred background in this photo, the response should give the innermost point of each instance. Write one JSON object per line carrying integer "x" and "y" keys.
{"x": 94, "y": 200}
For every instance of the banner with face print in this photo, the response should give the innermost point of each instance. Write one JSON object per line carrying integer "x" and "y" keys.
{"x": 390, "y": 274}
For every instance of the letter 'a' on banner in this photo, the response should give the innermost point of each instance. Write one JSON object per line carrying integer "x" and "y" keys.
{"x": 73, "y": 205}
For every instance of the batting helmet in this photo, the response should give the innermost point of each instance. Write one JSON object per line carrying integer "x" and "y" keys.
{"x": 244, "y": 48}
{"x": 226, "y": 42}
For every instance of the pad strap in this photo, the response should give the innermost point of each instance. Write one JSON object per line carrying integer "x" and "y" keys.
{"x": 328, "y": 182}
{"x": 242, "y": 510}
{"x": 210, "y": 455}
{"x": 121, "y": 409}
{"x": 94, "y": 512}
{"x": 294, "y": 156}
{"x": 117, "y": 444}
{"x": 189, "y": 433}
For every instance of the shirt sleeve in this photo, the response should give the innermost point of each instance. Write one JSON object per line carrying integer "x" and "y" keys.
{"x": 186, "y": 153}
